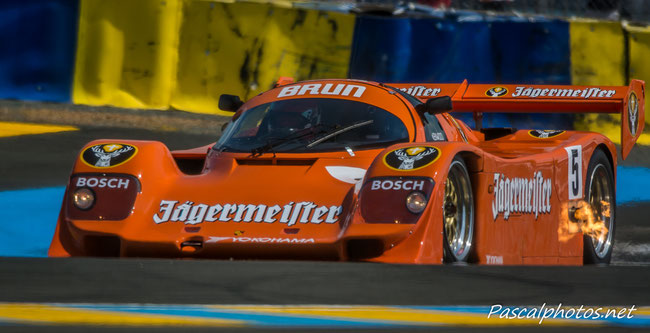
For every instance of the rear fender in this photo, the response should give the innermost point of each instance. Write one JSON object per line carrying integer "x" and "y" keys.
{"x": 571, "y": 170}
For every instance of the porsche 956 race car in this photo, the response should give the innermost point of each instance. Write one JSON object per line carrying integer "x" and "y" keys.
{"x": 357, "y": 170}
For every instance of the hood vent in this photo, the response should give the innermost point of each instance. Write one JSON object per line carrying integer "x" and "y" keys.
{"x": 276, "y": 161}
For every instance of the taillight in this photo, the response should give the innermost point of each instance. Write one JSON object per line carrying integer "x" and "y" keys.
{"x": 101, "y": 196}
{"x": 394, "y": 199}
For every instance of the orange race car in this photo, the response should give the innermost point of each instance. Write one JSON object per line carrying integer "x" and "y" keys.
{"x": 357, "y": 170}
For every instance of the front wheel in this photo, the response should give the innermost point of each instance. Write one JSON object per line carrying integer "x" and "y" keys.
{"x": 600, "y": 195}
{"x": 458, "y": 213}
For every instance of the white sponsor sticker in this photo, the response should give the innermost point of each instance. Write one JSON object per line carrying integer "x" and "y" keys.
{"x": 409, "y": 185}
{"x": 633, "y": 113}
{"x": 289, "y": 214}
{"x": 563, "y": 92}
{"x": 494, "y": 260}
{"x": 574, "y": 171}
{"x": 346, "y": 174}
{"x": 271, "y": 240}
{"x": 92, "y": 182}
{"x": 437, "y": 136}
{"x": 421, "y": 91}
{"x": 340, "y": 89}
{"x": 521, "y": 195}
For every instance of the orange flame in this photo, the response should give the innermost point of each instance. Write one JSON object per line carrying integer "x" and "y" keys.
{"x": 584, "y": 220}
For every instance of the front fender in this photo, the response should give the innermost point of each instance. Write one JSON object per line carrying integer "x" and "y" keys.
{"x": 150, "y": 162}
{"x": 152, "y": 156}
{"x": 472, "y": 155}
{"x": 419, "y": 242}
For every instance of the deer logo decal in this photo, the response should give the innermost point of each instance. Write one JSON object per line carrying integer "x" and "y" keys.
{"x": 545, "y": 134}
{"x": 633, "y": 113}
{"x": 410, "y": 158}
{"x": 108, "y": 155}
{"x": 496, "y": 92}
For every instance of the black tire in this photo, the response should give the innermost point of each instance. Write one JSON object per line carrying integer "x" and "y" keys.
{"x": 458, "y": 212}
{"x": 600, "y": 174}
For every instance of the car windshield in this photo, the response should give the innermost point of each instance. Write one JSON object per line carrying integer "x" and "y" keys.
{"x": 312, "y": 124}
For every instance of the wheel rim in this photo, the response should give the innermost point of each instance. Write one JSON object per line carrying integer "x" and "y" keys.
{"x": 458, "y": 212}
{"x": 600, "y": 199}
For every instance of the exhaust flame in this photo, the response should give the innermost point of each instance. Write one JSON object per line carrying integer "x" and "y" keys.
{"x": 580, "y": 216}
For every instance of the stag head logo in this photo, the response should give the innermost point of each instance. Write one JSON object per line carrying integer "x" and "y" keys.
{"x": 545, "y": 134}
{"x": 411, "y": 158}
{"x": 108, "y": 155}
{"x": 633, "y": 113}
{"x": 496, "y": 92}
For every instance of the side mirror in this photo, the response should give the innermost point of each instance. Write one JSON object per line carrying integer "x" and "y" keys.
{"x": 229, "y": 102}
{"x": 223, "y": 127}
{"x": 435, "y": 105}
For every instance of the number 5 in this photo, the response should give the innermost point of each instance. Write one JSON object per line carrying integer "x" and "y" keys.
{"x": 574, "y": 172}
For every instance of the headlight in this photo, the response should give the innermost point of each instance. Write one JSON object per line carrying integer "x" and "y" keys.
{"x": 394, "y": 199}
{"x": 416, "y": 202}
{"x": 83, "y": 198}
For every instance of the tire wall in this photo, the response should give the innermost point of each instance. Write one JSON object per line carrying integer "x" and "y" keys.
{"x": 126, "y": 54}
{"x": 242, "y": 49}
{"x": 607, "y": 53}
{"x": 638, "y": 43}
{"x": 183, "y": 54}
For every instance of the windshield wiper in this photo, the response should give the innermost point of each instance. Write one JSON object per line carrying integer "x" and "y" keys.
{"x": 335, "y": 132}
{"x": 269, "y": 146}
{"x": 284, "y": 140}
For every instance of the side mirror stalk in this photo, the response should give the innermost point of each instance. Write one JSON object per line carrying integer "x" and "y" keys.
{"x": 435, "y": 105}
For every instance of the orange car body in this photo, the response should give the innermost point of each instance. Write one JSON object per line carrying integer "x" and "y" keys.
{"x": 349, "y": 205}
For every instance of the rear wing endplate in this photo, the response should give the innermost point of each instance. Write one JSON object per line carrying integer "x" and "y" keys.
{"x": 518, "y": 98}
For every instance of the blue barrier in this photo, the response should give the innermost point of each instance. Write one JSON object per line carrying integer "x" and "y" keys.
{"x": 38, "y": 39}
{"x": 480, "y": 49}
{"x": 381, "y": 49}
{"x": 528, "y": 52}
{"x": 535, "y": 52}
{"x": 499, "y": 50}
{"x": 421, "y": 50}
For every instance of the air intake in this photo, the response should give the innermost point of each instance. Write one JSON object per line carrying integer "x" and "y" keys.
{"x": 276, "y": 161}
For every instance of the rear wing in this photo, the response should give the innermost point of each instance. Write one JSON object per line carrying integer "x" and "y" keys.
{"x": 519, "y": 98}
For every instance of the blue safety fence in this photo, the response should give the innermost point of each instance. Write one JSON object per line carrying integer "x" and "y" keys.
{"x": 456, "y": 47}
{"x": 531, "y": 52}
{"x": 387, "y": 49}
{"x": 38, "y": 39}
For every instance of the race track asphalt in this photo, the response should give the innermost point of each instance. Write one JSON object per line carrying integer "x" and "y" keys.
{"x": 37, "y": 161}
{"x": 162, "y": 281}
{"x": 84, "y": 280}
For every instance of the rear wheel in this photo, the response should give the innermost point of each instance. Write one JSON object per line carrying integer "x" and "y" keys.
{"x": 458, "y": 213}
{"x": 600, "y": 195}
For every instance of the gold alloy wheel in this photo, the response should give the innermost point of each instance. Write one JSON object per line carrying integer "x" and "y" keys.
{"x": 600, "y": 199}
{"x": 458, "y": 213}
{"x": 451, "y": 211}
